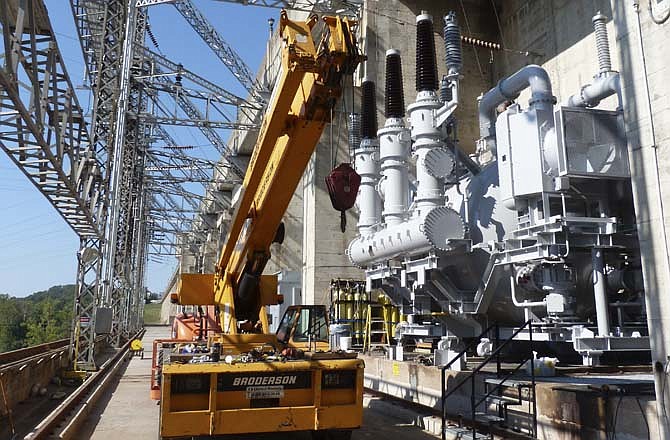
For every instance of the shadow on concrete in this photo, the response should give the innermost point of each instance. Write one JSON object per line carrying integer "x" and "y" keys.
{"x": 88, "y": 427}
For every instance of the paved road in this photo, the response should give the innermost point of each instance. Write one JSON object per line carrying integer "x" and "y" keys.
{"x": 128, "y": 412}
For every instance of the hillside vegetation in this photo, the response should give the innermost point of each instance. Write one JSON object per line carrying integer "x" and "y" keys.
{"x": 41, "y": 317}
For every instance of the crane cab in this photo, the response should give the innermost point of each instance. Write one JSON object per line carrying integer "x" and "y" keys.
{"x": 304, "y": 327}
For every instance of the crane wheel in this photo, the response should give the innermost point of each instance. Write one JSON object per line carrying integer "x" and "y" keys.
{"x": 332, "y": 434}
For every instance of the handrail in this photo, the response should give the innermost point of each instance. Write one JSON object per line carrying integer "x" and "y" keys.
{"x": 494, "y": 354}
{"x": 469, "y": 346}
{"x": 90, "y": 389}
{"x": 499, "y": 384}
{"x": 487, "y": 360}
{"x": 22, "y": 353}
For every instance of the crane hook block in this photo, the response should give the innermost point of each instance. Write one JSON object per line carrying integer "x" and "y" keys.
{"x": 343, "y": 182}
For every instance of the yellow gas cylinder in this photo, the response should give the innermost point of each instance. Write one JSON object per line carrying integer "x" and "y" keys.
{"x": 358, "y": 315}
{"x": 349, "y": 306}
{"x": 341, "y": 304}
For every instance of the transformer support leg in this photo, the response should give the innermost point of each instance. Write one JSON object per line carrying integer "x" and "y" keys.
{"x": 600, "y": 292}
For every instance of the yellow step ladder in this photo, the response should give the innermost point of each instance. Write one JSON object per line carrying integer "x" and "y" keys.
{"x": 377, "y": 336}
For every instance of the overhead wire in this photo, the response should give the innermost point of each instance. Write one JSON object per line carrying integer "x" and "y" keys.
{"x": 25, "y": 224}
{"x": 500, "y": 29}
{"x": 37, "y": 256}
{"x": 644, "y": 417}
{"x": 467, "y": 25}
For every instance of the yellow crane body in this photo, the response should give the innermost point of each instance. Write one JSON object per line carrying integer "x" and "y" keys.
{"x": 215, "y": 404}
{"x": 318, "y": 390}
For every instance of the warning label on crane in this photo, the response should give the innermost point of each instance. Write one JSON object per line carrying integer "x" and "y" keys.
{"x": 267, "y": 392}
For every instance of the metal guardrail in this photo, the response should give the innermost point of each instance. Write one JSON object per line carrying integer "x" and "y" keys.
{"x": 10, "y": 357}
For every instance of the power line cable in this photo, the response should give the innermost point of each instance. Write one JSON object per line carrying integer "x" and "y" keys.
{"x": 467, "y": 25}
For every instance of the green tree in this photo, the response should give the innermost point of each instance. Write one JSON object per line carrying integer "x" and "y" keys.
{"x": 41, "y": 317}
{"x": 12, "y": 333}
{"x": 42, "y": 325}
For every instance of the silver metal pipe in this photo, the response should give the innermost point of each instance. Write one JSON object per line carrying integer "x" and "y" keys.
{"x": 607, "y": 82}
{"x": 600, "y": 292}
{"x": 601, "y": 88}
{"x": 532, "y": 76}
{"x": 523, "y": 304}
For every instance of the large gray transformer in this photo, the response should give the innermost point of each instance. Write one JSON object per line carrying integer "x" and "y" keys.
{"x": 538, "y": 225}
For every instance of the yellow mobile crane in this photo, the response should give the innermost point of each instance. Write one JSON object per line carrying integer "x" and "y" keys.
{"x": 237, "y": 376}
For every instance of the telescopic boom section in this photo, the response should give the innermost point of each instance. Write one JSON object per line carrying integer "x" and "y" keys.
{"x": 310, "y": 83}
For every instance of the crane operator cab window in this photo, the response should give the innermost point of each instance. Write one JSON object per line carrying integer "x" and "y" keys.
{"x": 304, "y": 326}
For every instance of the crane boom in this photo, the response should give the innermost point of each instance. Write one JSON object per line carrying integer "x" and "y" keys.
{"x": 308, "y": 87}
{"x": 249, "y": 379}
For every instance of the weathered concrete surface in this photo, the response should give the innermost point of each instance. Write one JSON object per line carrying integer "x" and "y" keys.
{"x": 18, "y": 383}
{"x": 646, "y": 111}
{"x": 168, "y": 310}
{"x": 126, "y": 411}
{"x": 28, "y": 407}
{"x": 417, "y": 383}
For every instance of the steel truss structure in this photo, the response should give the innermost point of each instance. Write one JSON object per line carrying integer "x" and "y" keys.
{"x": 45, "y": 135}
{"x": 340, "y": 6}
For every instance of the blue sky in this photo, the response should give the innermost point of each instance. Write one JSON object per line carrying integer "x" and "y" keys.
{"x": 37, "y": 248}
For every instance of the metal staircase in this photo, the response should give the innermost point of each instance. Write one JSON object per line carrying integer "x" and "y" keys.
{"x": 507, "y": 403}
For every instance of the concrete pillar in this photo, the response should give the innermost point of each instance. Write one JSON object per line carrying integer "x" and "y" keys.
{"x": 641, "y": 44}
{"x": 323, "y": 256}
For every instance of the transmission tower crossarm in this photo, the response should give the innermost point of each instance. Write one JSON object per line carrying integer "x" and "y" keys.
{"x": 224, "y": 51}
{"x": 200, "y": 123}
{"x": 171, "y": 66}
{"x": 323, "y": 6}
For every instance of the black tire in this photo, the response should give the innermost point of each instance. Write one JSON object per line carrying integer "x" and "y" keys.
{"x": 160, "y": 411}
{"x": 344, "y": 434}
{"x": 332, "y": 434}
{"x": 319, "y": 435}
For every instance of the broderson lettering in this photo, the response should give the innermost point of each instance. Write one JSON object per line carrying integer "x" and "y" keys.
{"x": 267, "y": 380}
